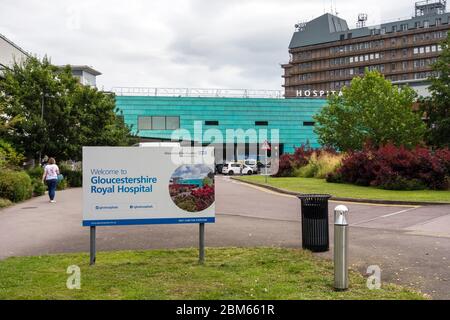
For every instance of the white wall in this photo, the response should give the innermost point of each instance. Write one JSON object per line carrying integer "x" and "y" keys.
{"x": 9, "y": 52}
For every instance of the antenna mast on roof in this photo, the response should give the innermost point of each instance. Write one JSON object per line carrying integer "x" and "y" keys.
{"x": 430, "y": 7}
{"x": 300, "y": 26}
{"x": 362, "y": 19}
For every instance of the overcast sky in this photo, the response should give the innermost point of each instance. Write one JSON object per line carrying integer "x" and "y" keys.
{"x": 178, "y": 43}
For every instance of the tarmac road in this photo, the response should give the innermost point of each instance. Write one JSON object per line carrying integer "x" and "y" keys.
{"x": 410, "y": 244}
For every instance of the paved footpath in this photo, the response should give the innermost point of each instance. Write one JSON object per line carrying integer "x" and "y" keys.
{"x": 410, "y": 244}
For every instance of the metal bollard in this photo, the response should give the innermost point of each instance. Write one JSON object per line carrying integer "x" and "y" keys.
{"x": 340, "y": 248}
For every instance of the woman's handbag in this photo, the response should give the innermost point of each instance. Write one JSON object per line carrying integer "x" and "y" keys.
{"x": 60, "y": 177}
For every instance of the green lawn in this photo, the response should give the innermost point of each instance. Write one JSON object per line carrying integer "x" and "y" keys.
{"x": 229, "y": 273}
{"x": 311, "y": 185}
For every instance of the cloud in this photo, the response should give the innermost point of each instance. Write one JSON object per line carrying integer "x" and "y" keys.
{"x": 181, "y": 43}
{"x": 198, "y": 171}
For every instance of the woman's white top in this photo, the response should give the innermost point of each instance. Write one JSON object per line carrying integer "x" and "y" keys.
{"x": 51, "y": 172}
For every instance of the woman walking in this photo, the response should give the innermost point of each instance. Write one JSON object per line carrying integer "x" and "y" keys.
{"x": 50, "y": 177}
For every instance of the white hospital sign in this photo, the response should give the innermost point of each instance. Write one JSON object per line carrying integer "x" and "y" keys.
{"x": 317, "y": 93}
{"x": 138, "y": 185}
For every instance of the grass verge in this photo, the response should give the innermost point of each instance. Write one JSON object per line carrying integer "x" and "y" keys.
{"x": 311, "y": 185}
{"x": 229, "y": 273}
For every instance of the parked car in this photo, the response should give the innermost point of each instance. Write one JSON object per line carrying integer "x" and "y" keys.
{"x": 253, "y": 164}
{"x": 233, "y": 168}
{"x": 247, "y": 170}
{"x": 219, "y": 168}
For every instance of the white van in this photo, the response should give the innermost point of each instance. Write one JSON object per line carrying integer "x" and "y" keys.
{"x": 253, "y": 164}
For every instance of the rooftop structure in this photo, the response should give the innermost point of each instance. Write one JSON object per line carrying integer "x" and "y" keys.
{"x": 326, "y": 54}
{"x": 197, "y": 92}
{"x": 86, "y": 74}
{"x": 10, "y": 52}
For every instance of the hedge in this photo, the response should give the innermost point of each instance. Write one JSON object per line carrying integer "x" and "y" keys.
{"x": 15, "y": 185}
{"x": 396, "y": 168}
{"x": 73, "y": 178}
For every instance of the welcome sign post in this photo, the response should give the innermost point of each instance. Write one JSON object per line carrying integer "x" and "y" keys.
{"x": 147, "y": 185}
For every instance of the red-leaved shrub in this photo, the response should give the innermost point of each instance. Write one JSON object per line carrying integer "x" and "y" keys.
{"x": 392, "y": 167}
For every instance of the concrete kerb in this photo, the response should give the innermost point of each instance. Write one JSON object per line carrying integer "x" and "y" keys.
{"x": 371, "y": 201}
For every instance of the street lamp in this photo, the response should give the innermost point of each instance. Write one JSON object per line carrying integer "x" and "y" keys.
{"x": 44, "y": 95}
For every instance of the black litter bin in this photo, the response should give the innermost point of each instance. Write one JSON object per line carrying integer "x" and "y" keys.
{"x": 315, "y": 233}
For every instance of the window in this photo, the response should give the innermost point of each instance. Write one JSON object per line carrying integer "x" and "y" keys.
{"x": 438, "y": 21}
{"x": 405, "y": 52}
{"x": 144, "y": 123}
{"x": 172, "y": 123}
{"x": 211, "y": 123}
{"x": 404, "y": 65}
{"x": 426, "y": 24}
{"x": 308, "y": 123}
{"x": 383, "y": 31}
{"x": 158, "y": 123}
{"x": 261, "y": 123}
{"x": 342, "y": 37}
{"x": 404, "y": 27}
{"x": 417, "y": 24}
{"x": 394, "y": 28}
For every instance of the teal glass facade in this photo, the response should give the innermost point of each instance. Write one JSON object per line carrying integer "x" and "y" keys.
{"x": 292, "y": 117}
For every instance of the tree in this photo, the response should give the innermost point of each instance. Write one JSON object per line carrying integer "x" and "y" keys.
{"x": 371, "y": 110}
{"x": 98, "y": 123}
{"x": 437, "y": 107}
{"x": 61, "y": 115}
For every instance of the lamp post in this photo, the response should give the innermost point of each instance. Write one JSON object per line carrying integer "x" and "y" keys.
{"x": 44, "y": 95}
{"x": 42, "y": 120}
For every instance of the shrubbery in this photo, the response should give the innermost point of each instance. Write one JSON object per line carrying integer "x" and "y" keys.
{"x": 9, "y": 157}
{"x": 288, "y": 163}
{"x": 39, "y": 188}
{"x": 15, "y": 185}
{"x": 4, "y": 203}
{"x": 73, "y": 178}
{"x": 309, "y": 163}
{"x": 320, "y": 165}
{"x": 62, "y": 185}
{"x": 396, "y": 168}
{"x": 36, "y": 172}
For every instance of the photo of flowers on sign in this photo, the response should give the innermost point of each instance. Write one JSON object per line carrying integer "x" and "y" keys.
{"x": 191, "y": 187}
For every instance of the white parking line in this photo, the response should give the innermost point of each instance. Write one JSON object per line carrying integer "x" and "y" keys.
{"x": 385, "y": 216}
